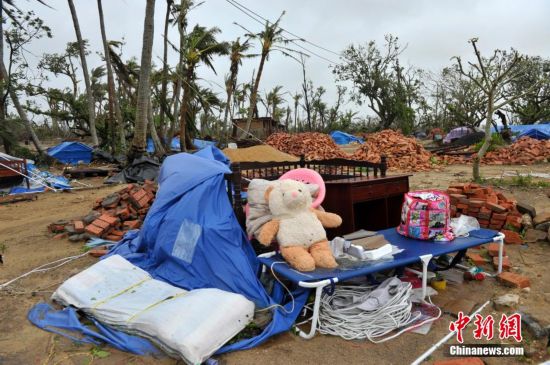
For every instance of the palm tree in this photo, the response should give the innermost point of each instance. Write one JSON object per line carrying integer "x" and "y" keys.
{"x": 89, "y": 94}
{"x": 271, "y": 39}
{"x": 139, "y": 142}
{"x": 113, "y": 103}
{"x": 236, "y": 56}
{"x": 164, "y": 80}
{"x": 274, "y": 99}
{"x": 201, "y": 46}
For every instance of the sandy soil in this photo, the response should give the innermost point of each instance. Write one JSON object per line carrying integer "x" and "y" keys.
{"x": 27, "y": 244}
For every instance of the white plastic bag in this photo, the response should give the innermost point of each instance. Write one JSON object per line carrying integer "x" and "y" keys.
{"x": 463, "y": 225}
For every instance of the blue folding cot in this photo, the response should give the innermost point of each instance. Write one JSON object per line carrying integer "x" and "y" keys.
{"x": 414, "y": 251}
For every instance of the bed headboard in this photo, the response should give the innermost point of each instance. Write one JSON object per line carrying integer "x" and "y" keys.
{"x": 243, "y": 172}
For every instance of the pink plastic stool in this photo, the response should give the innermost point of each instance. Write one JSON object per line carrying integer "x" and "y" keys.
{"x": 308, "y": 176}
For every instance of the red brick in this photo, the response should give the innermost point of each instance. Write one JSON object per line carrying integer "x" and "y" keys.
{"x": 499, "y": 216}
{"x": 501, "y": 196}
{"x": 512, "y": 237}
{"x": 484, "y": 209}
{"x": 98, "y": 251}
{"x": 78, "y": 226}
{"x": 457, "y": 196}
{"x": 513, "y": 279}
{"x": 508, "y": 205}
{"x": 492, "y": 249}
{"x": 460, "y": 361}
{"x": 514, "y": 221}
{"x": 454, "y": 191}
{"x": 123, "y": 213}
{"x": 132, "y": 224}
{"x": 476, "y": 258}
{"x": 94, "y": 230}
{"x": 139, "y": 194}
{"x": 475, "y": 203}
{"x": 496, "y": 227}
{"x": 492, "y": 198}
{"x": 473, "y": 209}
{"x": 495, "y": 207}
{"x": 60, "y": 236}
{"x": 484, "y": 216}
{"x": 505, "y": 263}
{"x": 112, "y": 237}
{"x": 101, "y": 224}
{"x": 484, "y": 222}
{"x": 462, "y": 206}
{"x": 116, "y": 232}
{"x": 108, "y": 219}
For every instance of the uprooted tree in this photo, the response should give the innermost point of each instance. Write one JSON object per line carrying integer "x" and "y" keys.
{"x": 493, "y": 76}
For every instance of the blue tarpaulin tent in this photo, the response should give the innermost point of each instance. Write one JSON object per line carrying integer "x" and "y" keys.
{"x": 537, "y": 131}
{"x": 71, "y": 152}
{"x": 191, "y": 239}
{"x": 344, "y": 138}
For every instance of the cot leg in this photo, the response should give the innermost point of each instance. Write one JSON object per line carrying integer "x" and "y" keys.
{"x": 500, "y": 253}
{"x": 425, "y": 261}
{"x": 315, "y": 316}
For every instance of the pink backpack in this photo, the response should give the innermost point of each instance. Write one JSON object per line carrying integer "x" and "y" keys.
{"x": 426, "y": 215}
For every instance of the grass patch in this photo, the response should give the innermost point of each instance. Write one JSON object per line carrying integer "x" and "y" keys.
{"x": 496, "y": 142}
{"x": 524, "y": 181}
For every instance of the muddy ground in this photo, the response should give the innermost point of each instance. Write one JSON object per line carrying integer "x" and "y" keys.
{"x": 27, "y": 244}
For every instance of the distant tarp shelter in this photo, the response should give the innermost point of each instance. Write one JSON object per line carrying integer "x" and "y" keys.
{"x": 175, "y": 145}
{"x": 340, "y": 137}
{"x": 71, "y": 152}
{"x": 537, "y": 131}
{"x": 457, "y": 133}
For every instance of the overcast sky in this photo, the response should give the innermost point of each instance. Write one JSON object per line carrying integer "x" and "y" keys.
{"x": 434, "y": 31}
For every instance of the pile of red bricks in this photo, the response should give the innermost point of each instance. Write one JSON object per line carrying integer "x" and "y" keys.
{"x": 492, "y": 210}
{"x": 112, "y": 216}
{"x": 403, "y": 153}
{"x": 312, "y": 145}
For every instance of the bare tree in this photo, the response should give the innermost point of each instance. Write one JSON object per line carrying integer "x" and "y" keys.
{"x": 493, "y": 75}
{"x": 89, "y": 93}
{"x": 139, "y": 142}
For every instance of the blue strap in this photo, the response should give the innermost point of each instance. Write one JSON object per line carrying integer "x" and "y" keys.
{"x": 329, "y": 289}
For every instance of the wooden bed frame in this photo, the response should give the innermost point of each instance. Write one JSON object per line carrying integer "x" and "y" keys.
{"x": 334, "y": 169}
{"x": 9, "y": 177}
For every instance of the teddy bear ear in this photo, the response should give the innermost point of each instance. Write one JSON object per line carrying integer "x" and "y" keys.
{"x": 267, "y": 192}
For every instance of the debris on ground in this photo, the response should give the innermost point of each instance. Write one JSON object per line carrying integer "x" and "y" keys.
{"x": 112, "y": 216}
{"x": 492, "y": 210}
{"x": 525, "y": 151}
{"x": 261, "y": 153}
{"x": 313, "y": 145}
{"x": 403, "y": 153}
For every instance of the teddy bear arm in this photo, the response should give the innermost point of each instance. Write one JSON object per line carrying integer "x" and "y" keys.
{"x": 268, "y": 232}
{"x": 328, "y": 220}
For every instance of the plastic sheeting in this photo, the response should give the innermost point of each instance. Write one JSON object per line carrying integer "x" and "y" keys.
{"x": 175, "y": 144}
{"x": 66, "y": 322}
{"x": 141, "y": 169}
{"x": 538, "y": 131}
{"x": 71, "y": 152}
{"x": 344, "y": 138}
{"x": 189, "y": 324}
{"x": 192, "y": 191}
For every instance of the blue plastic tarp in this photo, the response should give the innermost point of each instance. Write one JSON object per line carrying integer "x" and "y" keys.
{"x": 538, "y": 131}
{"x": 71, "y": 152}
{"x": 191, "y": 239}
{"x": 175, "y": 145}
{"x": 340, "y": 137}
{"x": 66, "y": 322}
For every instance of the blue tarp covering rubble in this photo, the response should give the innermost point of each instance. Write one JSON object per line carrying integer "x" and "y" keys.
{"x": 71, "y": 152}
{"x": 175, "y": 145}
{"x": 192, "y": 216}
{"x": 344, "y": 138}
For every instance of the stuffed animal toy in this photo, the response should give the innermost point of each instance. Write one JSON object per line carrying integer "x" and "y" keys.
{"x": 297, "y": 227}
